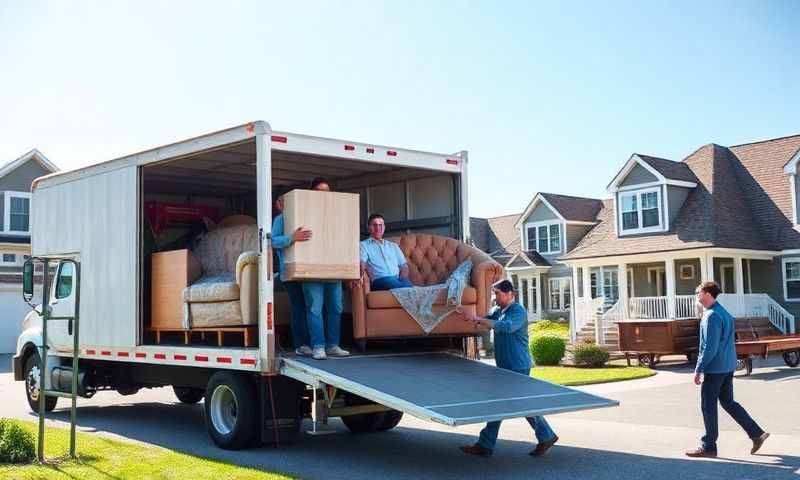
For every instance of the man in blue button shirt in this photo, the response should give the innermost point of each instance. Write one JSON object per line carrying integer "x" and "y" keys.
{"x": 510, "y": 323}
{"x": 716, "y": 362}
{"x": 383, "y": 259}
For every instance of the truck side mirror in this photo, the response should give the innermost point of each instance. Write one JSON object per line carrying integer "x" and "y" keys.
{"x": 27, "y": 281}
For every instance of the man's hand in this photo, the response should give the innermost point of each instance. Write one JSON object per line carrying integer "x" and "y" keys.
{"x": 354, "y": 283}
{"x": 301, "y": 235}
{"x": 698, "y": 378}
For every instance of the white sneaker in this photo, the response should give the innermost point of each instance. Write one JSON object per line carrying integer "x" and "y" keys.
{"x": 304, "y": 351}
{"x": 319, "y": 353}
{"x": 337, "y": 351}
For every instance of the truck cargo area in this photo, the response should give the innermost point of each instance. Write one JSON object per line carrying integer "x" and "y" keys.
{"x": 455, "y": 390}
{"x": 178, "y": 194}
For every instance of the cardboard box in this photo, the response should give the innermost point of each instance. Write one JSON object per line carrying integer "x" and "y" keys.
{"x": 333, "y": 218}
{"x": 171, "y": 272}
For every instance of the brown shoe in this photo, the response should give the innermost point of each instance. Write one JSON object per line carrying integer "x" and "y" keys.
{"x": 543, "y": 447}
{"x": 699, "y": 452}
{"x": 758, "y": 441}
{"x": 476, "y": 450}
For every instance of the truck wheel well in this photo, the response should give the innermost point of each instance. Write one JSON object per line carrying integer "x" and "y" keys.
{"x": 28, "y": 350}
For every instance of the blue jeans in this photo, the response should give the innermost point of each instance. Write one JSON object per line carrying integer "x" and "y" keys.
{"x": 719, "y": 387}
{"x": 388, "y": 283}
{"x": 297, "y": 303}
{"x": 328, "y": 295}
{"x": 541, "y": 428}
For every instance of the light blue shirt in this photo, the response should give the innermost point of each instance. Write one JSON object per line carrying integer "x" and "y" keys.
{"x": 279, "y": 241}
{"x": 383, "y": 259}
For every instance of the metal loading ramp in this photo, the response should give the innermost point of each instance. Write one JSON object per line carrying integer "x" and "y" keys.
{"x": 441, "y": 387}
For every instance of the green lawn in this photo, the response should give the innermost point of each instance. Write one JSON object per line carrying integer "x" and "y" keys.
{"x": 103, "y": 458}
{"x": 586, "y": 376}
{"x": 545, "y": 327}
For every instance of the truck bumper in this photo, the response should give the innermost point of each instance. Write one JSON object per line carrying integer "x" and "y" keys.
{"x": 19, "y": 375}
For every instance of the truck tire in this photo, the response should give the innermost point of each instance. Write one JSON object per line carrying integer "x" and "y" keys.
{"x": 188, "y": 395}
{"x": 231, "y": 410}
{"x": 390, "y": 420}
{"x": 32, "y": 366}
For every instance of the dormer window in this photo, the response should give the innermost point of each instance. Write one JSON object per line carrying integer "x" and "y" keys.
{"x": 545, "y": 238}
{"x": 640, "y": 211}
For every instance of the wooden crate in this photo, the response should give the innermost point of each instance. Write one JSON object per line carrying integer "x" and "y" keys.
{"x": 332, "y": 253}
{"x": 171, "y": 272}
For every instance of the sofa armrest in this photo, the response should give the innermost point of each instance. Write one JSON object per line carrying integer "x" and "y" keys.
{"x": 247, "y": 279}
{"x": 359, "y": 305}
{"x": 483, "y": 276}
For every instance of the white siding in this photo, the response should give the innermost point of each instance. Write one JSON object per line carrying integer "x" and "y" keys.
{"x": 95, "y": 217}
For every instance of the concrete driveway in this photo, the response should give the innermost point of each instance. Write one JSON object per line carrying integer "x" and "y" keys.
{"x": 645, "y": 437}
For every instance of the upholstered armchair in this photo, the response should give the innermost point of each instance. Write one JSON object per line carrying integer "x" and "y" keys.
{"x": 227, "y": 293}
{"x": 431, "y": 258}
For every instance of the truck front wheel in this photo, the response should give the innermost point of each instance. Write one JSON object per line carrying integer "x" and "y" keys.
{"x": 231, "y": 410}
{"x": 32, "y": 390}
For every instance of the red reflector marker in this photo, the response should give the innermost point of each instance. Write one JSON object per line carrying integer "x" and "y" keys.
{"x": 200, "y": 358}
{"x": 349, "y": 147}
{"x": 122, "y": 354}
{"x": 106, "y": 353}
{"x": 224, "y": 359}
{"x": 279, "y": 139}
{"x": 90, "y": 352}
{"x": 141, "y": 355}
{"x": 160, "y": 356}
{"x": 452, "y": 161}
{"x": 179, "y": 357}
{"x": 248, "y": 361}
{"x": 370, "y": 150}
{"x": 269, "y": 316}
{"x": 391, "y": 153}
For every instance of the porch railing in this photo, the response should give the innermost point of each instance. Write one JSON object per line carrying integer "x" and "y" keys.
{"x": 585, "y": 310}
{"x": 758, "y": 305}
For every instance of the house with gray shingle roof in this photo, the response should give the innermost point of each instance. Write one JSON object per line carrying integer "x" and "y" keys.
{"x": 728, "y": 214}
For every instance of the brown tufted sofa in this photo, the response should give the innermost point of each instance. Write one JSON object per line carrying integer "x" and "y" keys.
{"x": 431, "y": 258}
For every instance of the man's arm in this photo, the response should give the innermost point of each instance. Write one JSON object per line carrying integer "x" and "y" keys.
{"x": 513, "y": 320}
{"x": 279, "y": 240}
{"x": 710, "y": 332}
{"x": 401, "y": 261}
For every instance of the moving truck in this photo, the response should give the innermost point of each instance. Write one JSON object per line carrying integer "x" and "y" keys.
{"x": 97, "y": 228}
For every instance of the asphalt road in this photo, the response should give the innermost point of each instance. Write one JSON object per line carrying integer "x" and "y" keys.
{"x": 645, "y": 437}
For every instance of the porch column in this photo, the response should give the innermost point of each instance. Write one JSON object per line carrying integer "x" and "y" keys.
{"x": 669, "y": 269}
{"x": 576, "y": 301}
{"x": 622, "y": 284}
{"x": 738, "y": 275}
{"x": 587, "y": 283}
{"x": 703, "y": 268}
{"x": 539, "y": 294}
{"x": 711, "y": 268}
{"x": 530, "y": 298}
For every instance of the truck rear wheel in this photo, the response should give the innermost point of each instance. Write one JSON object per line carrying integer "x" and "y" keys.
{"x": 32, "y": 390}
{"x": 792, "y": 359}
{"x": 231, "y": 410}
{"x": 369, "y": 422}
{"x": 188, "y": 395}
{"x": 390, "y": 420}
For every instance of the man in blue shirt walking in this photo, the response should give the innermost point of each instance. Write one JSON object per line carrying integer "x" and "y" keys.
{"x": 510, "y": 323}
{"x": 716, "y": 362}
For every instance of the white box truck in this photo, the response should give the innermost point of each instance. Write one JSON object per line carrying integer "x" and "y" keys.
{"x": 95, "y": 217}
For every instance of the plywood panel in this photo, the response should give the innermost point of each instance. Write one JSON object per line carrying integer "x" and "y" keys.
{"x": 170, "y": 276}
{"x": 332, "y": 252}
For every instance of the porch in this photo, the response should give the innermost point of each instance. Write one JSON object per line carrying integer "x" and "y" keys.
{"x": 643, "y": 287}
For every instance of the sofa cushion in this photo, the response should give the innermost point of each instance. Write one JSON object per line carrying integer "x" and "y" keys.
{"x": 211, "y": 292}
{"x": 385, "y": 299}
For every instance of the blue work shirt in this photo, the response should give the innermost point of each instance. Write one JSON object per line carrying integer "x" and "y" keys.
{"x": 279, "y": 241}
{"x": 383, "y": 259}
{"x": 717, "y": 352}
{"x": 511, "y": 337}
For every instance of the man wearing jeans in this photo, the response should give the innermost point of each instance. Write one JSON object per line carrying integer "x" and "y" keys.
{"x": 383, "y": 259}
{"x": 716, "y": 362}
{"x": 510, "y": 323}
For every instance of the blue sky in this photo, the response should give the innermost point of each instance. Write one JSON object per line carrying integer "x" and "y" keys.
{"x": 547, "y": 97}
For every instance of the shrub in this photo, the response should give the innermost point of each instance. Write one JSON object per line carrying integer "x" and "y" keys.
{"x": 590, "y": 355}
{"x": 543, "y": 325}
{"x": 547, "y": 349}
{"x": 16, "y": 443}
